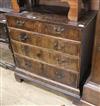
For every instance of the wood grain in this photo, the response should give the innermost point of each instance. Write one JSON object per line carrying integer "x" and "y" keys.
{"x": 51, "y": 42}
{"x": 36, "y": 59}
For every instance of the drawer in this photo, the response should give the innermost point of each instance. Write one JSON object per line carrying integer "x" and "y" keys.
{"x": 61, "y": 45}
{"x": 55, "y": 58}
{"x": 63, "y": 31}
{"x": 47, "y": 71}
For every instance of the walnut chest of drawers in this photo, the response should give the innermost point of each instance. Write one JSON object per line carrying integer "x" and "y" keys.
{"x": 51, "y": 51}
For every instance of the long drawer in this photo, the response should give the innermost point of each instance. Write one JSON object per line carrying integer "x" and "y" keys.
{"x": 49, "y": 42}
{"x": 55, "y": 74}
{"x": 58, "y": 30}
{"x": 55, "y": 58}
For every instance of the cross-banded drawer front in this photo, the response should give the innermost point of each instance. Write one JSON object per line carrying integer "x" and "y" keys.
{"x": 47, "y": 71}
{"x": 45, "y": 55}
{"x": 52, "y": 29}
{"x": 61, "y": 45}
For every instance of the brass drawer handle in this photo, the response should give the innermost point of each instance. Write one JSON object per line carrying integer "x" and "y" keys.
{"x": 59, "y": 75}
{"x": 58, "y": 29}
{"x": 20, "y": 23}
{"x": 23, "y": 37}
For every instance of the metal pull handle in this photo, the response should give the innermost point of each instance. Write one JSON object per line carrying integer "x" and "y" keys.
{"x": 24, "y": 37}
{"x": 59, "y": 75}
{"x": 58, "y": 29}
{"x": 20, "y": 23}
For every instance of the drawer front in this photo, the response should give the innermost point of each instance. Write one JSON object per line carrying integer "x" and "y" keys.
{"x": 65, "y": 46}
{"x": 48, "y": 56}
{"x": 45, "y": 28}
{"x": 47, "y": 71}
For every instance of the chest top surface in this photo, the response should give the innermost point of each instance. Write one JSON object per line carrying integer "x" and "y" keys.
{"x": 56, "y": 19}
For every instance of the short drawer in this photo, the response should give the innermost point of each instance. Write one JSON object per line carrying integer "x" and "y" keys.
{"x": 49, "y": 42}
{"x": 47, "y": 71}
{"x": 55, "y": 58}
{"x": 57, "y": 30}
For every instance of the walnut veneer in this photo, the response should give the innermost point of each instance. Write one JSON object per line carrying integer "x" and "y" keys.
{"x": 51, "y": 51}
